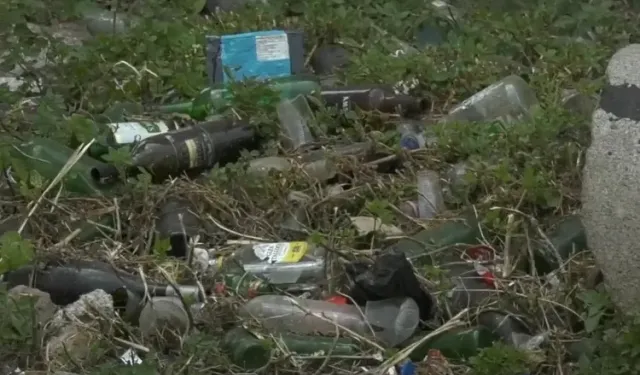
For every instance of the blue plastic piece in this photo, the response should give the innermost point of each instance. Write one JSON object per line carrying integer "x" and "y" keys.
{"x": 408, "y": 368}
{"x": 262, "y": 54}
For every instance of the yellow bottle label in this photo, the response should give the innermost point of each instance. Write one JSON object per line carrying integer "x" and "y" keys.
{"x": 281, "y": 252}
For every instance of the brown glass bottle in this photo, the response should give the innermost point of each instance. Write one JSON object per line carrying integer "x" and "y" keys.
{"x": 190, "y": 150}
{"x": 371, "y": 98}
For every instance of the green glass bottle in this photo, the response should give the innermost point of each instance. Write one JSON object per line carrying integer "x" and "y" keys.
{"x": 461, "y": 343}
{"x": 220, "y": 97}
{"x": 463, "y": 230}
{"x": 46, "y": 157}
{"x": 568, "y": 238}
{"x": 245, "y": 349}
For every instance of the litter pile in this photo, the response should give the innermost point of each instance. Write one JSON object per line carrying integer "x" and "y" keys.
{"x": 284, "y": 220}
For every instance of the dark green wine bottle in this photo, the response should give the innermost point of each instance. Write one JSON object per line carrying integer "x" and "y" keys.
{"x": 458, "y": 231}
{"x": 460, "y": 343}
{"x": 567, "y": 238}
{"x": 46, "y": 157}
{"x": 245, "y": 349}
{"x": 189, "y": 150}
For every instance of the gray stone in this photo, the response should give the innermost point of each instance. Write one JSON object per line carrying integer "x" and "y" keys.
{"x": 611, "y": 192}
{"x": 44, "y": 307}
{"x": 90, "y": 307}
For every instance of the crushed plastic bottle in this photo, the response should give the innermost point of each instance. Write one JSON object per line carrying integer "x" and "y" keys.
{"x": 393, "y": 321}
{"x": 508, "y": 100}
{"x": 294, "y": 115}
{"x": 430, "y": 198}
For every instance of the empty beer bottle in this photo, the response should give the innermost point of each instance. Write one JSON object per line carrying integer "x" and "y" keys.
{"x": 192, "y": 150}
{"x": 371, "y": 98}
{"x": 121, "y": 134}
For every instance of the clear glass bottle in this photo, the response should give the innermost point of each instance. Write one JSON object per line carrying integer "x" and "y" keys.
{"x": 294, "y": 115}
{"x": 282, "y": 262}
{"x": 508, "y": 100}
{"x": 321, "y": 169}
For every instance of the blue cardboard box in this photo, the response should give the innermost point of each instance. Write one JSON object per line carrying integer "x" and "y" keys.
{"x": 257, "y": 55}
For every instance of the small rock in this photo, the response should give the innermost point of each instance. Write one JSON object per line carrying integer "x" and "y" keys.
{"x": 45, "y": 308}
{"x": 90, "y": 307}
{"x": 72, "y": 346}
{"x": 77, "y": 330}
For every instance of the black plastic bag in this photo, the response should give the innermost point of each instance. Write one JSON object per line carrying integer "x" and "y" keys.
{"x": 391, "y": 275}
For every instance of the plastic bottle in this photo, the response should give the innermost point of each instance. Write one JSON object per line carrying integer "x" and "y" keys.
{"x": 282, "y": 262}
{"x": 221, "y": 98}
{"x": 321, "y": 169}
{"x": 410, "y": 137}
{"x": 46, "y": 157}
{"x": 508, "y": 100}
{"x": 101, "y": 21}
{"x": 391, "y": 320}
{"x": 294, "y": 115}
{"x": 165, "y": 317}
{"x": 430, "y": 199}
{"x": 313, "y": 344}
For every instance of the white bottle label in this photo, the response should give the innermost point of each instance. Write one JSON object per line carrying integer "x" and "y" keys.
{"x": 280, "y": 252}
{"x": 272, "y": 47}
{"x": 131, "y": 132}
